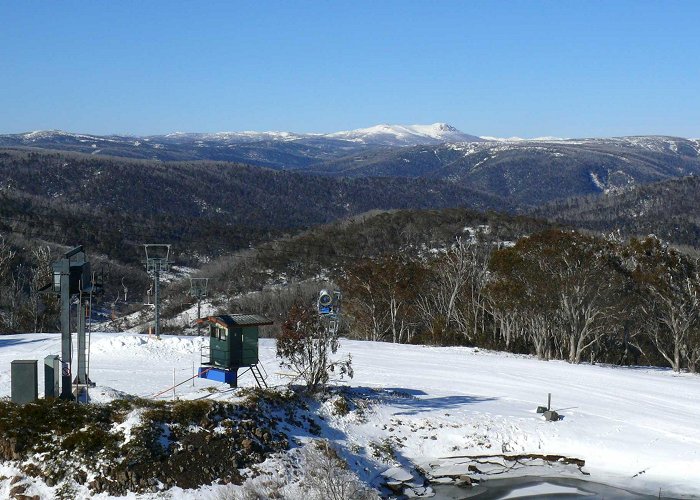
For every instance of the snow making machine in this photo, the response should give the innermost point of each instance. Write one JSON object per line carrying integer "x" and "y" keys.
{"x": 328, "y": 305}
{"x": 233, "y": 344}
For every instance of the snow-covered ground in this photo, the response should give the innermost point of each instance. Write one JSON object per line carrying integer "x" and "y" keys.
{"x": 635, "y": 427}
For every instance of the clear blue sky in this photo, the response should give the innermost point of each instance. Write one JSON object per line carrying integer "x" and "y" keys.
{"x": 583, "y": 68}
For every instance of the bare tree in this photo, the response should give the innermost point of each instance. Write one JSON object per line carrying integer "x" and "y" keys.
{"x": 41, "y": 275}
{"x": 674, "y": 317}
{"x": 329, "y": 478}
{"x": 454, "y": 299}
{"x": 669, "y": 284}
{"x": 305, "y": 346}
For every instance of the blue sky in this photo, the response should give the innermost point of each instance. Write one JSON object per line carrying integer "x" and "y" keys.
{"x": 585, "y": 68}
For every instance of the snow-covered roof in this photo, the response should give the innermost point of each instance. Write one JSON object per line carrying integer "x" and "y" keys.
{"x": 237, "y": 320}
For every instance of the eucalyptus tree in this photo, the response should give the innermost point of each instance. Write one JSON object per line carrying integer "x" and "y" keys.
{"x": 381, "y": 297}
{"x": 564, "y": 284}
{"x": 669, "y": 285}
{"x": 452, "y": 299}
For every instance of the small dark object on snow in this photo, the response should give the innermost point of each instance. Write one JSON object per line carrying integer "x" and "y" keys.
{"x": 551, "y": 416}
{"x": 544, "y": 409}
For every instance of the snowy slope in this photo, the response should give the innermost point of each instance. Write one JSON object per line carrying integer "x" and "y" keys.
{"x": 635, "y": 427}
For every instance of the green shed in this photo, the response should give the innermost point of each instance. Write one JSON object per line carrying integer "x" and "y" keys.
{"x": 233, "y": 339}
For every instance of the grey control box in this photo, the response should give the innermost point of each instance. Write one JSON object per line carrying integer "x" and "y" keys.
{"x": 25, "y": 382}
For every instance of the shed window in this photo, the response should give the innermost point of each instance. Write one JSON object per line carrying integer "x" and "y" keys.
{"x": 223, "y": 333}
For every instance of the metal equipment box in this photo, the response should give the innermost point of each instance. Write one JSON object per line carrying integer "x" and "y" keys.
{"x": 25, "y": 383}
{"x": 52, "y": 376}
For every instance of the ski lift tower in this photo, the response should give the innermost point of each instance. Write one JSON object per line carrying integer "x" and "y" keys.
{"x": 198, "y": 290}
{"x": 157, "y": 261}
{"x": 73, "y": 282}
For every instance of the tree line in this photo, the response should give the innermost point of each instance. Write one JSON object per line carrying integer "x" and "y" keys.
{"x": 555, "y": 294}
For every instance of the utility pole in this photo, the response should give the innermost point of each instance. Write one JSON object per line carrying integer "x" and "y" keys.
{"x": 198, "y": 290}
{"x": 157, "y": 260}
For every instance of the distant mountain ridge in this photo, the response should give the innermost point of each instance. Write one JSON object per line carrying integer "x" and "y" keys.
{"x": 220, "y": 206}
{"x": 524, "y": 172}
{"x": 378, "y": 135}
{"x": 531, "y": 172}
{"x": 279, "y": 150}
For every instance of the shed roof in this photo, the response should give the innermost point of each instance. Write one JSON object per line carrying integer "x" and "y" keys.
{"x": 237, "y": 320}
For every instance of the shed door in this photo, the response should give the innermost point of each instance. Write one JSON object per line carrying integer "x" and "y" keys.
{"x": 250, "y": 346}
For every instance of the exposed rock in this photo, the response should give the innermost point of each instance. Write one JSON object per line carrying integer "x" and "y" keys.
{"x": 464, "y": 480}
{"x": 395, "y": 486}
{"x": 17, "y": 490}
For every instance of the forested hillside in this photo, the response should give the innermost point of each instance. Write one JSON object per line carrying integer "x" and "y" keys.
{"x": 526, "y": 172}
{"x": 669, "y": 209}
{"x": 114, "y": 205}
{"x": 457, "y": 277}
{"x": 326, "y": 250}
{"x": 50, "y": 201}
{"x": 533, "y": 172}
{"x": 450, "y": 276}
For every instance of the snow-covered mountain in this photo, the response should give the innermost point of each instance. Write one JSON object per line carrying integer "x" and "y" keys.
{"x": 286, "y": 150}
{"x": 405, "y": 135}
{"x": 520, "y": 139}
{"x": 246, "y": 136}
{"x": 379, "y": 135}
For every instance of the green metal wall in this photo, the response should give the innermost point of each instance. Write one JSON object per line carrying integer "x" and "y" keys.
{"x": 239, "y": 349}
{"x": 250, "y": 346}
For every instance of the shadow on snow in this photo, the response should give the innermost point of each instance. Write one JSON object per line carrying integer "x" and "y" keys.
{"x": 413, "y": 401}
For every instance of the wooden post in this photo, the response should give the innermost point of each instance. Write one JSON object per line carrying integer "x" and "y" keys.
{"x": 549, "y": 401}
